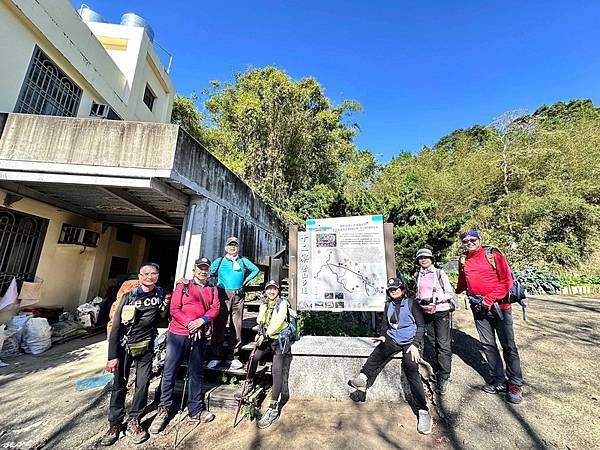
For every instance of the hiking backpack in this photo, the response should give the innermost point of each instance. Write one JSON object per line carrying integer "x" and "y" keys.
{"x": 289, "y": 332}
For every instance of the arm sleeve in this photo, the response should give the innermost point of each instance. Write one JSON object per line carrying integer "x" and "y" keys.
{"x": 384, "y": 322}
{"x": 278, "y": 320}
{"x": 113, "y": 339}
{"x": 262, "y": 310}
{"x": 176, "y": 306}
{"x": 419, "y": 320}
{"x": 505, "y": 281}
{"x": 215, "y": 305}
{"x": 214, "y": 266}
{"x": 253, "y": 270}
{"x": 447, "y": 289}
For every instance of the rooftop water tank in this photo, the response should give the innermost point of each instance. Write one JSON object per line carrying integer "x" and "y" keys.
{"x": 133, "y": 20}
{"x": 89, "y": 15}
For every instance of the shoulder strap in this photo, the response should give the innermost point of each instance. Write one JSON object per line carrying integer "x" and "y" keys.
{"x": 438, "y": 273}
{"x": 199, "y": 291}
{"x": 219, "y": 266}
{"x": 489, "y": 254}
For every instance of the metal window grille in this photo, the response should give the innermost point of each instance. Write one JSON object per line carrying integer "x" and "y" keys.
{"x": 47, "y": 90}
{"x": 21, "y": 240}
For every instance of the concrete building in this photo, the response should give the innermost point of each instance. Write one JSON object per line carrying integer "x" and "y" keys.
{"x": 84, "y": 200}
{"x": 95, "y": 69}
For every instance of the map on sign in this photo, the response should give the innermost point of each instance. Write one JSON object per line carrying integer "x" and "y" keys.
{"x": 342, "y": 264}
{"x": 350, "y": 276}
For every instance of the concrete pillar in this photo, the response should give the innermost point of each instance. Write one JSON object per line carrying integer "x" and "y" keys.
{"x": 191, "y": 236}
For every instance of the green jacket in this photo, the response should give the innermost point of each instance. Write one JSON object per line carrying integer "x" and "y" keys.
{"x": 275, "y": 318}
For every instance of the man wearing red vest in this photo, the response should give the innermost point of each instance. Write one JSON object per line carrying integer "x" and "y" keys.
{"x": 487, "y": 289}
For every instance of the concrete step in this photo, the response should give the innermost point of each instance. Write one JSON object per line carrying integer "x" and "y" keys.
{"x": 222, "y": 398}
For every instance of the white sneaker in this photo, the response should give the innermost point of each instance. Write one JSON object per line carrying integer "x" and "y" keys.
{"x": 213, "y": 364}
{"x": 424, "y": 424}
{"x": 236, "y": 364}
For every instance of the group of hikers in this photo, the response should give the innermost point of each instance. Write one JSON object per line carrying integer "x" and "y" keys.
{"x": 198, "y": 309}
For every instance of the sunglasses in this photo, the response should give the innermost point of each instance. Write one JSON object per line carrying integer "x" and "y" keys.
{"x": 467, "y": 241}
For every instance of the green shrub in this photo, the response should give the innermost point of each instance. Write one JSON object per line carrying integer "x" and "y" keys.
{"x": 538, "y": 282}
{"x": 579, "y": 280}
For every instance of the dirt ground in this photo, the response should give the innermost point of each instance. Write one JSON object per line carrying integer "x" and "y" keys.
{"x": 40, "y": 408}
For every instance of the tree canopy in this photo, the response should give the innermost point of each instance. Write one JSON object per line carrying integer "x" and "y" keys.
{"x": 530, "y": 183}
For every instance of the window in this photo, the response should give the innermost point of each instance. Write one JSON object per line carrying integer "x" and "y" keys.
{"x": 21, "y": 240}
{"x": 118, "y": 266}
{"x": 124, "y": 235}
{"x": 47, "y": 90}
{"x": 149, "y": 98}
{"x": 103, "y": 111}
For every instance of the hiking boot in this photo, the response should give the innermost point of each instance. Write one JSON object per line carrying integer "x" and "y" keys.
{"x": 514, "y": 394}
{"x": 135, "y": 430}
{"x": 236, "y": 364}
{"x": 270, "y": 416}
{"x": 494, "y": 387}
{"x": 111, "y": 436}
{"x": 213, "y": 364}
{"x": 359, "y": 383}
{"x": 424, "y": 424}
{"x": 244, "y": 392}
{"x": 442, "y": 386}
{"x": 204, "y": 416}
{"x": 159, "y": 420}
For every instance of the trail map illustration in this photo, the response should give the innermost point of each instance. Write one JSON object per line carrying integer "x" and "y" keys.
{"x": 348, "y": 276}
{"x": 341, "y": 264}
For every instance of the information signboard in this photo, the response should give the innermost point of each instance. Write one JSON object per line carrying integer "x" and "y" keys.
{"x": 342, "y": 265}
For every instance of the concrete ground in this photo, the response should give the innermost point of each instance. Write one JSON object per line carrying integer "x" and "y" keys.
{"x": 40, "y": 407}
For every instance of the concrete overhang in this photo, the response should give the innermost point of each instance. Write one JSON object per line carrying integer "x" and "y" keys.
{"x": 133, "y": 173}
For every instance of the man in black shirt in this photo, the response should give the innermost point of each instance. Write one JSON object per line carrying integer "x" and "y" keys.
{"x": 132, "y": 339}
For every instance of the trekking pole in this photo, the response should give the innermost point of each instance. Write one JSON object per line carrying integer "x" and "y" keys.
{"x": 523, "y": 306}
{"x": 193, "y": 337}
{"x": 242, "y": 397}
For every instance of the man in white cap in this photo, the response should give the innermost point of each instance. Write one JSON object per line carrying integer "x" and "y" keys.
{"x": 233, "y": 273}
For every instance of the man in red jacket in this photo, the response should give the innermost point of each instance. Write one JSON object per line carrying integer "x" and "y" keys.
{"x": 193, "y": 306}
{"x": 487, "y": 288}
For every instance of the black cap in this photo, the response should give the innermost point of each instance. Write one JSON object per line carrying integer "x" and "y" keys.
{"x": 271, "y": 283}
{"x": 395, "y": 283}
{"x": 204, "y": 261}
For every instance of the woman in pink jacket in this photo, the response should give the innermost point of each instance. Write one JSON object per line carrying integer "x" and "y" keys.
{"x": 436, "y": 296}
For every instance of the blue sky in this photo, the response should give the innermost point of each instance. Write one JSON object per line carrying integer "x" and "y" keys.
{"x": 420, "y": 69}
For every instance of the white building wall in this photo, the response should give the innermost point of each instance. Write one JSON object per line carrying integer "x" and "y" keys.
{"x": 104, "y": 75}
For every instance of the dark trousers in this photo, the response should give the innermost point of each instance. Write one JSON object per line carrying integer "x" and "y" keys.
{"x": 177, "y": 349}
{"x": 143, "y": 371}
{"x": 380, "y": 355}
{"x": 437, "y": 330}
{"x": 279, "y": 356}
{"x": 490, "y": 324}
{"x": 232, "y": 309}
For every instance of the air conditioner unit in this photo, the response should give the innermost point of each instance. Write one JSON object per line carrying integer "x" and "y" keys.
{"x": 78, "y": 236}
{"x": 99, "y": 110}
